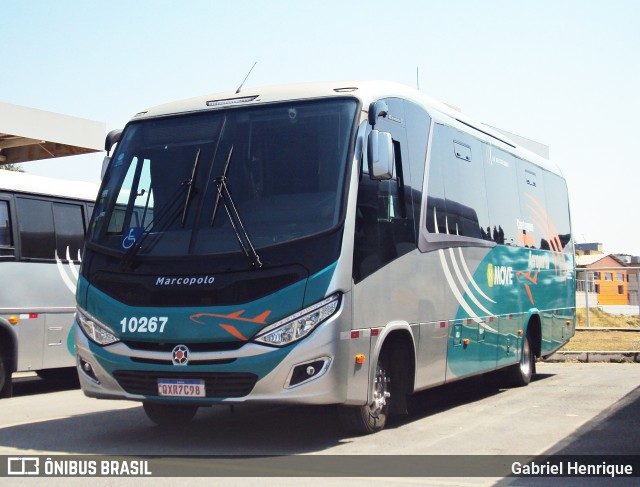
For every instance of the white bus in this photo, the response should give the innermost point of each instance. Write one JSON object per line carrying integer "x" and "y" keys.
{"x": 42, "y": 226}
{"x": 332, "y": 243}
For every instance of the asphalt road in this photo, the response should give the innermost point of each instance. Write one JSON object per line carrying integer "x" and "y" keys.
{"x": 567, "y": 409}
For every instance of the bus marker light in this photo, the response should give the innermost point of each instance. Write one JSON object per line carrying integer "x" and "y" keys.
{"x": 375, "y": 332}
{"x": 466, "y": 341}
{"x": 231, "y": 101}
{"x": 355, "y": 334}
{"x": 520, "y": 332}
{"x": 360, "y": 358}
{"x": 14, "y": 319}
{"x": 568, "y": 323}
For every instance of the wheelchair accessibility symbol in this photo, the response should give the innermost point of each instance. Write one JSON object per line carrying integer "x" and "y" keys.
{"x": 131, "y": 235}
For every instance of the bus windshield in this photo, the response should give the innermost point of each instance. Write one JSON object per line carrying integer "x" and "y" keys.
{"x": 180, "y": 185}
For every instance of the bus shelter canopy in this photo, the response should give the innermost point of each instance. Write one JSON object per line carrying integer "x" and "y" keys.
{"x": 28, "y": 134}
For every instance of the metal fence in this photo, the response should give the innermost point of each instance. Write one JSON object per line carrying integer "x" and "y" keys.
{"x": 613, "y": 290}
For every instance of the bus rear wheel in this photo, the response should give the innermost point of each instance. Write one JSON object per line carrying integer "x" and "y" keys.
{"x": 520, "y": 374}
{"x": 169, "y": 414}
{"x": 371, "y": 417}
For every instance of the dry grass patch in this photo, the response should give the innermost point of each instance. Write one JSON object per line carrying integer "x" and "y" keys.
{"x": 599, "y": 318}
{"x": 604, "y": 340}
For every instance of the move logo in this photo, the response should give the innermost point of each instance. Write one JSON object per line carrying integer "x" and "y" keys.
{"x": 499, "y": 275}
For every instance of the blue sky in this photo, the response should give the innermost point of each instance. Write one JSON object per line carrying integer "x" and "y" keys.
{"x": 565, "y": 73}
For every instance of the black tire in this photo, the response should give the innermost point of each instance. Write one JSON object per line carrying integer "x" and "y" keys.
{"x": 372, "y": 417}
{"x": 6, "y": 385}
{"x": 520, "y": 374}
{"x": 169, "y": 415}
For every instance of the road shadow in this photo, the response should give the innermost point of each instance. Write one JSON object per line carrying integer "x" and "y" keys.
{"x": 214, "y": 431}
{"x": 449, "y": 396}
{"x": 32, "y": 385}
{"x": 612, "y": 432}
{"x": 219, "y": 430}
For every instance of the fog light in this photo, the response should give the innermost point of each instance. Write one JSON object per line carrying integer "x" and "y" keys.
{"x": 87, "y": 369}
{"x": 308, "y": 371}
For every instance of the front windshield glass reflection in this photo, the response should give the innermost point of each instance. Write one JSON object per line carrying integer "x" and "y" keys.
{"x": 284, "y": 168}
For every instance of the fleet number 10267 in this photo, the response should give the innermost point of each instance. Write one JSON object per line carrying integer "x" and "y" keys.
{"x": 144, "y": 324}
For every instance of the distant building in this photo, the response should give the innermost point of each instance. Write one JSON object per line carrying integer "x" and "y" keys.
{"x": 611, "y": 284}
{"x": 628, "y": 259}
{"x": 588, "y": 248}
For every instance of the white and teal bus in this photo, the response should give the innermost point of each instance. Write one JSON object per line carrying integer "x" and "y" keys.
{"x": 42, "y": 227}
{"x": 333, "y": 243}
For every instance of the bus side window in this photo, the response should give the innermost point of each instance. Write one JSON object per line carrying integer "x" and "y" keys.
{"x": 534, "y": 221}
{"x": 35, "y": 225}
{"x": 457, "y": 201}
{"x": 47, "y": 229}
{"x": 384, "y": 217}
{"x": 6, "y": 242}
{"x": 503, "y": 196}
{"x": 558, "y": 207}
{"x": 69, "y": 229}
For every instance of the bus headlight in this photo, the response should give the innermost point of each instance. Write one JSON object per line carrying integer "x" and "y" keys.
{"x": 299, "y": 325}
{"x": 96, "y": 331}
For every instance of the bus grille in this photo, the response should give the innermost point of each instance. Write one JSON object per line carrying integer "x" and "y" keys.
{"x": 217, "y": 384}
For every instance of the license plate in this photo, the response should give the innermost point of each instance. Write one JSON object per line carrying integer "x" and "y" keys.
{"x": 181, "y": 387}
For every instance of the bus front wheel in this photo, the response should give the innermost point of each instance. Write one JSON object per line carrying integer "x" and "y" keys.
{"x": 168, "y": 414}
{"x": 6, "y": 386}
{"x": 371, "y": 417}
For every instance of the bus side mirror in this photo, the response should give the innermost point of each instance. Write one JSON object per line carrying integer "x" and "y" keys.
{"x": 380, "y": 155}
{"x": 377, "y": 109}
{"x": 112, "y": 138}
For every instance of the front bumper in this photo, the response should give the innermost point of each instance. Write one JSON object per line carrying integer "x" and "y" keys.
{"x": 316, "y": 370}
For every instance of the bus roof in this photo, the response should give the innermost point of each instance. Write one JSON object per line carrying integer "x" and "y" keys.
{"x": 366, "y": 91}
{"x": 28, "y": 183}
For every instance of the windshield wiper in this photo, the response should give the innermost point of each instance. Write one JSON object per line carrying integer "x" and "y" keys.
{"x": 191, "y": 187}
{"x": 163, "y": 220}
{"x": 218, "y": 194}
{"x": 242, "y": 236}
{"x": 167, "y": 216}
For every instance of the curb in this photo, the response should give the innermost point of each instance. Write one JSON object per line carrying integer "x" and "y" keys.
{"x": 591, "y": 357}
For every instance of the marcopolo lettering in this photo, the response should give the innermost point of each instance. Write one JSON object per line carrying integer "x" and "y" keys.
{"x": 184, "y": 281}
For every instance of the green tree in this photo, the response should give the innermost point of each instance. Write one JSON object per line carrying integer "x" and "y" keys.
{"x": 12, "y": 167}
